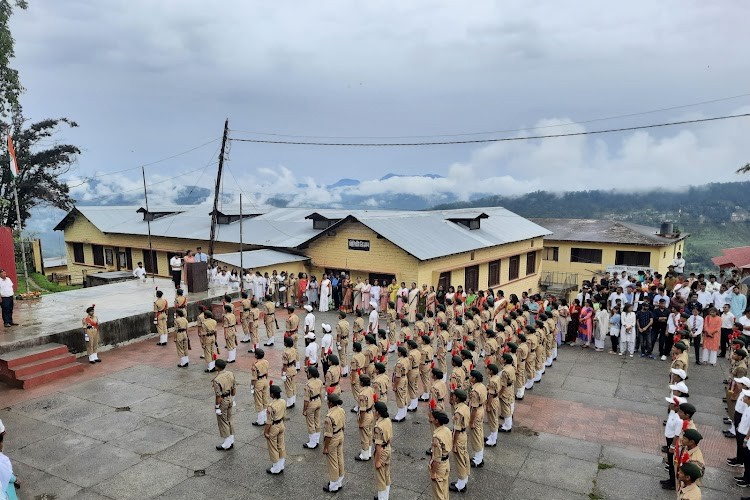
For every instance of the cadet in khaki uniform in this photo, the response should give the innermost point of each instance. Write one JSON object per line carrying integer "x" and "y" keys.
{"x": 365, "y": 419}
{"x": 382, "y": 437}
{"x": 269, "y": 320}
{"x": 292, "y": 325}
{"x": 687, "y": 477}
{"x": 311, "y": 410}
{"x": 415, "y": 358}
{"x": 493, "y": 404}
{"x": 357, "y": 370}
{"x": 521, "y": 354}
{"x": 383, "y": 346}
{"x": 230, "y": 332}
{"x": 467, "y": 364}
{"x": 358, "y": 328}
{"x": 247, "y": 306}
{"x": 209, "y": 340}
{"x": 392, "y": 321}
{"x": 342, "y": 342}
{"x": 532, "y": 341}
{"x": 259, "y": 381}
{"x": 439, "y": 464}
{"x": 333, "y": 376}
{"x": 461, "y": 423}
{"x": 333, "y": 443}
{"x": 380, "y": 383}
{"x": 274, "y": 431}
{"x": 477, "y": 400}
{"x": 289, "y": 360}
{"x": 181, "y": 338}
{"x": 442, "y": 350}
{"x": 507, "y": 395}
{"x": 400, "y": 383}
{"x": 160, "y": 317}
{"x": 372, "y": 354}
{"x": 254, "y": 325}
{"x": 491, "y": 349}
{"x": 224, "y": 390}
{"x": 91, "y": 335}
{"x": 404, "y": 333}
{"x": 180, "y": 302}
{"x": 425, "y": 366}
{"x": 458, "y": 374}
{"x": 438, "y": 391}
{"x": 420, "y": 327}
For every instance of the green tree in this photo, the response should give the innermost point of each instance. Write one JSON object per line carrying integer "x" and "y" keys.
{"x": 10, "y": 84}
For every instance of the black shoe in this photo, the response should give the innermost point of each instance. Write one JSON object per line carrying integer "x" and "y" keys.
{"x": 275, "y": 473}
{"x": 724, "y": 400}
{"x": 325, "y": 488}
{"x": 665, "y": 449}
{"x": 729, "y": 435}
{"x": 398, "y": 421}
{"x": 698, "y": 363}
{"x": 727, "y": 420}
{"x": 309, "y": 447}
{"x": 733, "y": 462}
{"x": 7, "y": 324}
{"x": 739, "y": 478}
{"x": 92, "y": 362}
{"x": 232, "y": 361}
{"x": 256, "y": 424}
{"x": 504, "y": 430}
{"x": 412, "y": 411}
{"x": 359, "y": 459}
{"x": 210, "y": 371}
{"x": 183, "y": 366}
{"x": 97, "y": 360}
{"x": 202, "y": 356}
{"x": 244, "y": 341}
{"x": 423, "y": 400}
{"x": 453, "y": 487}
{"x": 290, "y": 406}
{"x": 488, "y": 445}
{"x": 353, "y": 410}
{"x": 249, "y": 350}
{"x": 664, "y": 422}
{"x": 13, "y": 324}
{"x": 669, "y": 486}
{"x": 428, "y": 453}
{"x": 519, "y": 399}
{"x": 742, "y": 484}
{"x": 221, "y": 448}
{"x": 480, "y": 464}
{"x": 666, "y": 481}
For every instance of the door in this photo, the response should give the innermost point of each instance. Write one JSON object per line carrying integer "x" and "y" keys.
{"x": 472, "y": 278}
{"x": 444, "y": 280}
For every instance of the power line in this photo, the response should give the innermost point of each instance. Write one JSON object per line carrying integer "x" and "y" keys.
{"x": 593, "y": 120}
{"x": 499, "y": 139}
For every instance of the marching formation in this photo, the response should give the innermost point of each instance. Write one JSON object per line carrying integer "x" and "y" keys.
{"x": 467, "y": 364}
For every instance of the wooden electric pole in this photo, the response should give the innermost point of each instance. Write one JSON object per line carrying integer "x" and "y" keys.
{"x": 214, "y": 214}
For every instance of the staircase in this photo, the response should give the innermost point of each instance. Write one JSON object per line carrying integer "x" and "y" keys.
{"x": 33, "y": 366}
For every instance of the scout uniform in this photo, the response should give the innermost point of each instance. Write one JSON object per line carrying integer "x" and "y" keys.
{"x": 180, "y": 302}
{"x": 438, "y": 394}
{"x": 467, "y": 365}
{"x": 450, "y": 315}
{"x": 333, "y": 379}
{"x": 342, "y": 343}
{"x": 477, "y": 400}
{"x": 91, "y": 335}
{"x": 442, "y": 350}
{"x": 224, "y": 390}
{"x": 392, "y": 316}
{"x": 424, "y": 370}
{"x": 532, "y": 340}
{"x": 382, "y": 436}
{"x": 311, "y": 411}
{"x": 209, "y": 342}
{"x": 420, "y": 328}
{"x": 160, "y": 318}
{"x": 230, "y": 335}
{"x": 383, "y": 347}
{"x": 521, "y": 355}
{"x": 334, "y": 443}
{"x": 358, "y": 329}
{"x": 439, "y": 465}
{"x": 274, "y": 432}
{"x": 441, "y": 317}
{"x": 372, "y": 354}
{"x": 292, "y": 326}
{"x": 415, "y": 358}
{"x": 457, "y": 378}
{"x": 541, "y": 353}
{"x": 289, "y": 360}
{"x": 357, "y": 365}
{"x": 400, "y": 383}
{"x": 493, "y": 406}
{"x": 247, "y": 306}
{"x": 404, "y": 334}
{"x": 181, "y": 340}
{"x": 431, "y": 325}
{"x": 380, "y": 386}
{"x": 254, "y": 327}
{"x": 490, "y": 350}
{"x": 366, "y": 401}
{"x": 461, "y": 419}
{"x": 507, "y": 394}
{"x": 259, "y": 380}
{"x": 269, "y": 308}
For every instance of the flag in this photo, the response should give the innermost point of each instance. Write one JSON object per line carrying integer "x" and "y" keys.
{"x": 12, "y": 156}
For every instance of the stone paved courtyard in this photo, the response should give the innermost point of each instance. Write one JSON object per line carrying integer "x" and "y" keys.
{"x": 136, "y": 426}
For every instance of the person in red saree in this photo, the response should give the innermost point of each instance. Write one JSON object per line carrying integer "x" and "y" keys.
{"x": 586, "y": 323}
{"x": 301, "y": 288}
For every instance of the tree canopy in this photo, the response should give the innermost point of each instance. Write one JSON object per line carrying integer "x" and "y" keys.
{"x": 10, "y": 84}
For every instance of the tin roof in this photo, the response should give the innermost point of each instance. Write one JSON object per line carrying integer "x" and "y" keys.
{"x": 605, "y": 231}
{"x": 252, "y": 259}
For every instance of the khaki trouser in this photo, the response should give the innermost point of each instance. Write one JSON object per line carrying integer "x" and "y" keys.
{"x": 181, "y": 340}
{"x": 336, "y": 457}
{"x": 245, "y": 320}
{"x": 209, "y": 348}
{"x": 476, "y": 433}
{"x": 254, "y": 334}
{"x": 461, "y": 455}
{"x": 506, "y": 406}
{"x": 440, "y": 485}
{"x": 365, "y": 432}
{"x": 92, "y": 344}
{"x": 426, "y": 375}
{"x": 261, "y": 396}
{"x": 230, "y": 337}
{"x": 312, "y": 416}
{"x": 356, "y": 387}
{"x": 443, "y": 364}
{"x": 344, "y": 352}
{"x": 270, "y": 326}
{"x": 413, "y": 377}
{"x": 224, "y": 420}
{"x": 383, "y": 474}
{"x": 161, "y": 323}
{"x": 290, "y": 385}
{"x": 493, "y": 414}
{"x": 276, "y": 446}
{"x": 392, "y": 332}
{"x": 401, "y": 394}
{"x": 520, "y": 378}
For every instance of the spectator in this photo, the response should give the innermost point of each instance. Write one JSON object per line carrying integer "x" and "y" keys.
{"x": 678, "y": 263}
{"x": 6, "y": 292}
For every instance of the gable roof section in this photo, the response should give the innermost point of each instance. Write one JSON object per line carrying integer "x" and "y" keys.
{"x": 737, "y": 257}
{"x": 252, "y": 259}
{"x": 604, "y": 231}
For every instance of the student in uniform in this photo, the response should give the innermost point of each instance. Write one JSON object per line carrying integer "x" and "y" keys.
{"x": 461, "y": 426}
{"x": 400, "y": 383}
{"x": 477, "y": 400}
{"x": 224, "y": 392}
{"x": 209, "y": 325}
{"x": 311, "y": 410}
{"x": 91, "y": 335}
{"x": 439, "y": 464}
{"x": 181, "y": 337}
{"x": 365, "y": 404}
{"x": 230, "y": 332}
{"x": 160, "y": 317}
{"x": 333, "y": 443}
{"x": 259, "y": 381}
{"x": 382, "y": 436}
{"x": 274, "y": 431}
{"x": 289, "y": 371}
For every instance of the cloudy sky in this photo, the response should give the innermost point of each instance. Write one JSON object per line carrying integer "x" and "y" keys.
{"x": 147, "y": 79}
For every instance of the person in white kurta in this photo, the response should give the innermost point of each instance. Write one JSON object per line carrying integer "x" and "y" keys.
{"x": 601, "y": 328}
{"x": 627, "y": 330}
{"x": 260, "y": 287}
{"x": 412, "y": 302}
{"x": 375, "y": 296}
{"x": 325, "y": 293}
{"x": 372, "y": 326}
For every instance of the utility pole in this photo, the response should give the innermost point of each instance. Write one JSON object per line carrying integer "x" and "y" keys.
{"x": 148, "y": 224}
{"x": 242, "y": 266}
{"x": 214, "y": 214}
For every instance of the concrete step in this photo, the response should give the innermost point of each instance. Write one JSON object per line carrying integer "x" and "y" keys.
{"x": 43, "y": 364}
{"x": 38, "y": 378}
{"x": 27, "y": 355}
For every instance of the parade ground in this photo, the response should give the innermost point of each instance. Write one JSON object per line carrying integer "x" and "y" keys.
{"x": 135, "y": 426}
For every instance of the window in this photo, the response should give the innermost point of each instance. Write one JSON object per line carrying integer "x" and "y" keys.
{"x": 444, "y": 280}
{"x": 109, "y": 257}
{"x": 122, "y": 259}
{"x": 98, "y": 252}
{"x": 472, "y": 278}
{"x": 323, "y": 223}
{"x": 551, "y": 253}
{"x": 78, "y": 253}
{"x": 514, "y": 266}
{"x": 586, "y": 255}
{"x": 530, "y": 263}
{"x": 623, "y": 258}
{"x": 494, "y": 274}
{"x": 150, "y": 262}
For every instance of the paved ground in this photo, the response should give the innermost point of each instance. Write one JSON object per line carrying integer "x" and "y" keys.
{"x": 135, "y": 426}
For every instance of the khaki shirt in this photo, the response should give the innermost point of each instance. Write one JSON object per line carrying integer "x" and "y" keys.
{"x": 269, "y": 308}
{"x": 312, "y": 391}
{"x": 478, "y": 395}
{"x": 439, "y": 392}
{"x": 246, "y": 305}
{"x": 289, "y": 361}
{"x": 292, "y": 323}
{"x": 366, "y": 399}
{"x": 402, "y": 367}
{"x": 276, "y": 411}
{"x": 357, "y": 363}
{"x": 406, "y": 332}
{"x": 442, "y": 443}
{"x": 416, "y": 359}
{"x": 382, "y": 435}
{"x": 461, "y": 417}
{"x": 427, "y": 355}
{"x": 161, "y": 306}
{"x": 210, "y": 325}
{"x": 494, "y": 387}
{"x": 260, "y": 369}
{"x": 380, "y": 386}
{"x": 335, "y": 423}
{"x": 359, "y": 325}
{"x": 691, "y": 492}
{"x": 342, "y": 330}
{"x": 507, "y": 380}
{"x": 223, "y": 384}
{"x": 230, "y": 320}
{"x": 333, "y": 376}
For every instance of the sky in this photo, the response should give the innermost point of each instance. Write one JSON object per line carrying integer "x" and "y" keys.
{"x": 147, "y": 80}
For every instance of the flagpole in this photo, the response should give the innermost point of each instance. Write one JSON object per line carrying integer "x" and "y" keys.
{"x": 20, "y": 235}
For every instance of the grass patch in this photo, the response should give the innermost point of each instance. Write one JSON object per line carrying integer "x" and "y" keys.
{"x": 42, "y": 282}
{"x": 604, "y": 466}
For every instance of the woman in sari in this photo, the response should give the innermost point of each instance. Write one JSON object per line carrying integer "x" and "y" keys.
{"x": 601, "y": 327}
{"x": 346, "y": 286}
{"x": 575, "y": 312}
{"x": 440, "y": 295}
{"x": 422, "y": 301}
{"x": 711, "y": 337}
{"x": 392, "y": 294}
{"x": 412, "y": 302}
{"x": 403, "y": 297}
{"x": 432, "y": 300}
{"x": 326, "y": 291}
{"x": 366, "y": 287}
{"x": 312, "y": 291}
{"x": 358, "y": 294}
{"x": 586, "y": 323}
{"x": 301, "y": 289}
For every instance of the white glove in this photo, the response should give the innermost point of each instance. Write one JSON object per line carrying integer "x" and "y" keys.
{"x": 338, "y": 346}
{"x": 86, "y": 337}
{"x": 234, "y": 403}
{"x": 283, "y": 378}
{"x": 252, "y": 390}
{"x": 155, "y": 321}
{"x": 218, "y": 411}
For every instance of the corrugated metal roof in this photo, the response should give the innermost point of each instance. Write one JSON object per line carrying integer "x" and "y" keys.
{"x": 604, "y": 231}
{"x": 55, "y": 261}
{"x": 252, "y": 259}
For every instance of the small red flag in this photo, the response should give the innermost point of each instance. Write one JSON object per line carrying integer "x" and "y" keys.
{"x": 433, "y": 404}
{"x": 375, "y": 397}
{"x": 330, "y": 390}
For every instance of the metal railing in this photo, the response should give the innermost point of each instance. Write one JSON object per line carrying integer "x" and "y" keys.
{"x": 558, "y": 280}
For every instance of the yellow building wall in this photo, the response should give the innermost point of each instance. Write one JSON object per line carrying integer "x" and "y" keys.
{"x": 289, "y": 267}
{"x": 384, "y": 257}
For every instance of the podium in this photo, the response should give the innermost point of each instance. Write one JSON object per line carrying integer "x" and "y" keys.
{"x": 196, "y": 276}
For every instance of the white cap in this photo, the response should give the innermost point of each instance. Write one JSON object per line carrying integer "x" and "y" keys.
{"x": 310, "y": 335}
{"x": 679, "y": 386}
{"x": 326, "y": 327}
{"x": 745, "y": 393}
{"x": 308, "y": 308}
{"x": 2, "y": 427}
{"x": 743, "y": 380}
{"x": 373, "y": 303}
{"x": 679, "y": 372}
{"x": 677, "y": 398}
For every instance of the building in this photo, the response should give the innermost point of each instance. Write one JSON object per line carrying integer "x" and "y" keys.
{"x": 734, "y": 258}
{"x": 578, "y": 249}
{"x": 477, "y": 248}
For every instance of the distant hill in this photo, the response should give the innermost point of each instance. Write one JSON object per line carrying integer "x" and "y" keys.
{"x": 717, "y": 215}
